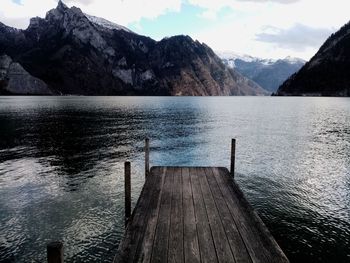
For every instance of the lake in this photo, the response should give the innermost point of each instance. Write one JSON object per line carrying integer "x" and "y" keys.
{"x": 61, "y": 167}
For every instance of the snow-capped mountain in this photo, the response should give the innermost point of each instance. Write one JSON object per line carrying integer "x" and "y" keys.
{"x": 268, "y": 73}
{"x": 107, "y": 24}
{"x": 75, "y": 53}
{"x": 231, "y": 57}
{"x": 294, "y": 60}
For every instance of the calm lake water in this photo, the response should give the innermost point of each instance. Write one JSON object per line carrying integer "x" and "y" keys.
{"x": 61, "y": 167}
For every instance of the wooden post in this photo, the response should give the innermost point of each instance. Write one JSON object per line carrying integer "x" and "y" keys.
{"x": 146, "y": 157}
{"x": 233, "y": 156}
{"x": 55, "y": 252}
{"x": 127, "y": 189}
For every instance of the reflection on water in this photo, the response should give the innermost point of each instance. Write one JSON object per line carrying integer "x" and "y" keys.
{"x": 61, "y": 163}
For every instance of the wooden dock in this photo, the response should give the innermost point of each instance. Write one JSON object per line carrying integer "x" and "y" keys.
{"x": 190, "y": 214}
{"x": 195, "y": 214}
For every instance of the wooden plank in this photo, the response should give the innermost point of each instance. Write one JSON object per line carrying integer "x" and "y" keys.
{"x": 268, "y": 241}
{"x": 195, "y": 215}
{"x": 137, "y": 223}
{"x": 249, "y": 236}
{"x": 223, "y": 249}
{"x": 176, "y": 238}
{"x": 235, "y": 240}
{"x": 205, "y": 238}
{"x": 161, "y": 239}
{"x": 259, "y": 242}
{"x": 191, "y": 247}
{"x": 144, "y": 249}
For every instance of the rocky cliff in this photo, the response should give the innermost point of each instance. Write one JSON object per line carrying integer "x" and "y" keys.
{"x": 74, "y": 53}
{"x": 14, "y": 79}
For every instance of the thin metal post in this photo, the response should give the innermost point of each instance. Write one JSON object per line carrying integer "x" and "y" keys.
{"x": 55, "y": 252}
{"x": 233, "y": 156}
{"x": 127, "y": 189}
{"x": 146, "y": 157}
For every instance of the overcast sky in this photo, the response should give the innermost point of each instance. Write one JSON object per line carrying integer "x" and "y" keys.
{"x": 263, "y": 28}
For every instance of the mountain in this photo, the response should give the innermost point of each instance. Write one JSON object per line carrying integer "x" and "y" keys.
{"x": 75, "y": 53}
{"x": 268, "y": 73}
{"x": 327, "y": 73}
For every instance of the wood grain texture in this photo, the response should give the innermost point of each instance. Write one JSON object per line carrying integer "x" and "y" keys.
{"x": 235, "y": 240}
{"x": 259, "y": 242}
{"x": 205, "y": 236}
{"x": 161, "y": 240}
{"x": 176, "y": 239}
{"x": 144, "y": 250}
{"x": 222, "y": 247}
{"x": 191, "y": 247}
{"x": 127, "y": 248}
{"x": 195, "y": 214}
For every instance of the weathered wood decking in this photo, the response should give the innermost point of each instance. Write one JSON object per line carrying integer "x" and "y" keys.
{"x": 193, "y": 214}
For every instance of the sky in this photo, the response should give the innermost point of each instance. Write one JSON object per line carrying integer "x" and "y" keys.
{"x": 262, "y": 28}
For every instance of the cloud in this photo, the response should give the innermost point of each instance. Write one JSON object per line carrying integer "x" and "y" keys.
{"x": 18, "y": 14}
{"x": 268, "y": 28}
{"x": 273, "y": 30}
{"x": 119, "y": 11}
{"x": 84, "y": 2}
{"x": 298, "y": 38}
{"x": 212, "y": 8}
{"x": 125, "y": 12}
{"x": 21, "y": 22}
{"x": 276, "y": 1}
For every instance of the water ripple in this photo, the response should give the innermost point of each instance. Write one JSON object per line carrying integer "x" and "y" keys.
{"x": 61, "y": 167}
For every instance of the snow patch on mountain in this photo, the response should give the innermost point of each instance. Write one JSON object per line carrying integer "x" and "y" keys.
{"x": 106, "y": 24}
{"x": 268, "y": 73}
{"x": 293, "y": 60}
{"x": 230, "y": 58}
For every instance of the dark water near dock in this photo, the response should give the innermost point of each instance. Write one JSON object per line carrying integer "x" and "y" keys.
{"x": 61, "y": 167}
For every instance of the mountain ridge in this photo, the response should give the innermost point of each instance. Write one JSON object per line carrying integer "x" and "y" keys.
{"x": 74, "y": 55}
{"x": 268, "y": 73}
{"x": 327, "y": 73}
